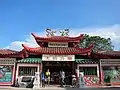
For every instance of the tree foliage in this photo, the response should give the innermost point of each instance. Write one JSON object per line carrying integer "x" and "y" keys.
{"x": 99, "y": 43}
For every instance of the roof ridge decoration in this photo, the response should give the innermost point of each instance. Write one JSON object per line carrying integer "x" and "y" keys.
{"x": 65, "y": 32}
{"x": 71, "y": 37}
{"x": 58, "y": 38}
{"x": 50, "y": 32}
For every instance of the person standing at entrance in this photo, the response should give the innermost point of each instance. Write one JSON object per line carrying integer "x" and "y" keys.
{"x": 62, "y": 74}
{"x": 73, "y": 80}
{"x": 48, "y": 77}
{"x": 43, "y": 79}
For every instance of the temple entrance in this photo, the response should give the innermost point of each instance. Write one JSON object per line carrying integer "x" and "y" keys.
{"x": 55, "y": 68}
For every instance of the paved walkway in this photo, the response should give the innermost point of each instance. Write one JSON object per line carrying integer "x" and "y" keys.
{"x": 16, "y": 88}
{"x": 103, "y": 87}
{"x": 53, "y": 87}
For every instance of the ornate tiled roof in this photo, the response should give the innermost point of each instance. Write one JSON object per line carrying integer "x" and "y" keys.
{"x": 7, "y": 51}
{"x": 4, "y": 53}
{"x": 56, "y": 50}
{"x": 58, "y": 38}
{"x": 107, "y": 53}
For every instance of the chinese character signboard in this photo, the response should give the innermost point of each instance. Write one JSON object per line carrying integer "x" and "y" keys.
{"x": 57, "y": 44}
{"x": 58, "y": 57}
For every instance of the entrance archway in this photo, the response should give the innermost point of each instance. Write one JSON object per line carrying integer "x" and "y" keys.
{"x": 55, "y": 68}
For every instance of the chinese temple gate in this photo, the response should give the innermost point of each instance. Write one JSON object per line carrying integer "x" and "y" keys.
{"x": 58, "y": 53}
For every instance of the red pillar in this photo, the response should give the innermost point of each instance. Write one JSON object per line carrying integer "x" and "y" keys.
{"x": 40, "y": 67}
{"x": 101, "y": 73}
{"x": 14, "y": 70}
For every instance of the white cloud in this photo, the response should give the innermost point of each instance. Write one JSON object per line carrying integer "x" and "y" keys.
{"x": 29, "y": 40}
{"x": 110, "y": 31}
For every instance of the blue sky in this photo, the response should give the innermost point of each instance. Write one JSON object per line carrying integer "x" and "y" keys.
{"x": 18, "y": 18}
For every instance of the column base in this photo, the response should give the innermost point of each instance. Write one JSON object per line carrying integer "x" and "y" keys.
{"x": 36, "y": 86}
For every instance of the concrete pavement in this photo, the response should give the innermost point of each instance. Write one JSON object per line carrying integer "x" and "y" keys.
{"x": 59, "y": 88}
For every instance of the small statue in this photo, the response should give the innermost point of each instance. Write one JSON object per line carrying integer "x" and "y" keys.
{"x": 62, "y": 33}
{"x": 65, "y": 32}
{"x": 50, "y": 32}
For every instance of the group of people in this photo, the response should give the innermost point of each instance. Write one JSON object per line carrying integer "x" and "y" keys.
{"x": 46, "y": 78}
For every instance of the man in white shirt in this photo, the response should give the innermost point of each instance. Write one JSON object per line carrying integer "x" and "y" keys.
{"x": 62, "y": 74}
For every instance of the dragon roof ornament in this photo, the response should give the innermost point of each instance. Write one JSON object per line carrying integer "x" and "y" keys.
{"x": 51, "y": 32}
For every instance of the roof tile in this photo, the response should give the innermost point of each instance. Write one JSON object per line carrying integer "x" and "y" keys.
{"x": 56, "y": 50}
{"x": 58, "y": 38}
{"x": 111, "y": 53}
{"x": 7, "y": 51}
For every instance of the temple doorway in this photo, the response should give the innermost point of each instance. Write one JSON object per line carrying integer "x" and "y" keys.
{"x": 55, "y": 68}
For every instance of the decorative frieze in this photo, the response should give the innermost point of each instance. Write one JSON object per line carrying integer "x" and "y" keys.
{"x": 109, "y": 62}
{"x": 9, "y": 61}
